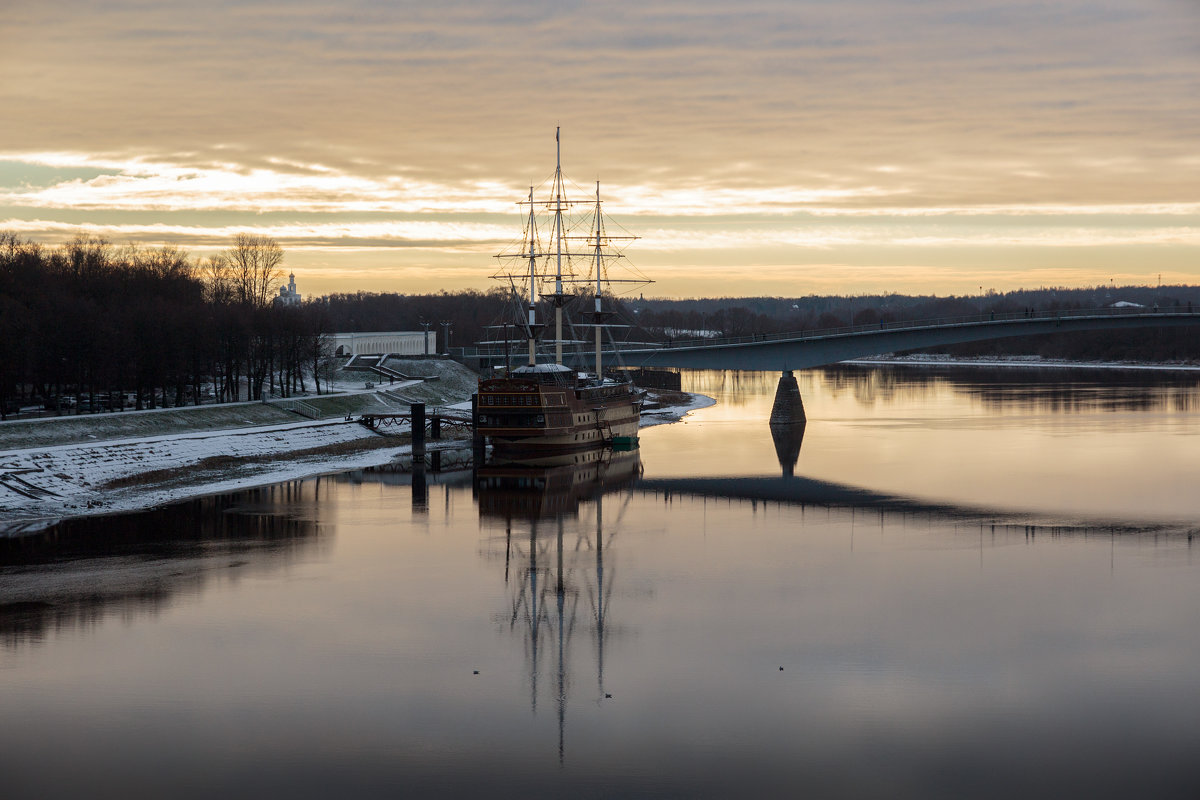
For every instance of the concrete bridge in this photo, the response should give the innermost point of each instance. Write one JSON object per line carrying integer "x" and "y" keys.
{"x": 805, "y": 349}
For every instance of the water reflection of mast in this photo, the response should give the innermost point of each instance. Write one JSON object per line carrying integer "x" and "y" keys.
{"x": 562, "y": 681}
{"x": 535, "y": 584}
{"x": 602, "y": 594}
{"x": 534, "y": 493}
{"x": 601, "y": 597}
{"x": 535, "y": 616}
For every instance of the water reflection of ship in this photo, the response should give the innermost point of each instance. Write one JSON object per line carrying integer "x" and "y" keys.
{"x": 545, "y": 580}
{"x": 551, "y": 485}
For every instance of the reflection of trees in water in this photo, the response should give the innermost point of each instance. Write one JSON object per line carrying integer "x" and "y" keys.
{"x": 870, "y": 386}
{"x": 75, "y": 574}
{"x": 1024, "y": 389}
{"x": 1083, "y": 397}
{"x": 734, "y": 386}
{"x": 554, "y": 547}
{"x": 1045, "y": 389}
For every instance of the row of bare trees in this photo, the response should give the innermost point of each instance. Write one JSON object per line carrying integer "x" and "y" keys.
{"x": 91, "y": 326}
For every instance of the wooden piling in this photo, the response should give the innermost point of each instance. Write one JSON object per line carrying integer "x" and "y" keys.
{"x": 418, "y": 433}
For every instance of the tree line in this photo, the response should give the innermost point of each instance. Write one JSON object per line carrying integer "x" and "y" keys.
{"x": 97, "y": 326}
{"x": 91, "y": 326}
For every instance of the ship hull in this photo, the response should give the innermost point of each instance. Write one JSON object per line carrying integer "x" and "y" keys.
{"x": 527, "y": 418}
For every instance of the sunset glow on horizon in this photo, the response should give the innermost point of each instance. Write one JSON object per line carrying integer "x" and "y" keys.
{"x": 769, "y": 148}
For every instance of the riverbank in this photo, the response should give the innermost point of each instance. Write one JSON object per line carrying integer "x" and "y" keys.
{"x": 102, "y": 474}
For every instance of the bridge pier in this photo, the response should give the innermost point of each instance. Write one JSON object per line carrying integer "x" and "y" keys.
{"x": 788, "y": 422}
{"x": 789, "y": 407}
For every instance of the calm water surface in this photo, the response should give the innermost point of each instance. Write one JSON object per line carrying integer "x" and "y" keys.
{"x": 973, "y": 585}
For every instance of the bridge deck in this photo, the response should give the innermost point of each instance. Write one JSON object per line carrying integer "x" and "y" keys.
{"x": 814, "y": 348}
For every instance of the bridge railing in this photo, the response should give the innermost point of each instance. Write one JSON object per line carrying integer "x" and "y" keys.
{"x": 300, "y": 407}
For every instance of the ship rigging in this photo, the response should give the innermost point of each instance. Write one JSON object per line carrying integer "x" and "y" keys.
{"x": 546, "y": 407}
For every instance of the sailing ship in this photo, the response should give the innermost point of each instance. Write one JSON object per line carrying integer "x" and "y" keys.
{"x": 549, "y": 407}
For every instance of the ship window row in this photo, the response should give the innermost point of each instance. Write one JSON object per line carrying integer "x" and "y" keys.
{"x": 513, "y": 421}
{"x": 509, "y": 400}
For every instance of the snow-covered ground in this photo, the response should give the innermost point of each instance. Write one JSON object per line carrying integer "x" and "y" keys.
{"x": 129, "y": 474}
{"x": 41, "y": 484}
{"x": 674, "y": 413}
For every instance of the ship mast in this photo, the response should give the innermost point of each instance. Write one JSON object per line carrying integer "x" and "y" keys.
{"x": 599, "y": 315}
{"x": 532, "y": 284}
{"x": 559, "y": 298}
{"x": 538, "y": 274}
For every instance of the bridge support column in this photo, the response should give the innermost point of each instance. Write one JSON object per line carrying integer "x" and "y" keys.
{"x": 788, "y": 408}
{"x": 787, "y": 423}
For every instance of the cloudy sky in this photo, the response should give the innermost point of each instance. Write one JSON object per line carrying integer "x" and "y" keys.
{"x": 778, "y": 148}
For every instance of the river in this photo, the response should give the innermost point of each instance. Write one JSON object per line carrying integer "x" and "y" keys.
{"x": 950, "y": 583}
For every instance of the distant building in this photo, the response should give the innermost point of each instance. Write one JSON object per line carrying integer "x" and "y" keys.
{"x": 403, "y": 343}
{"x": 288, "y": 296}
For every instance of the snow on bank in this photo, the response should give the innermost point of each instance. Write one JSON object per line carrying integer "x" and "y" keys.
{"x": 69, "y": 480}
{"x": 674, "y": 413}
{"x": 39, "y": 485}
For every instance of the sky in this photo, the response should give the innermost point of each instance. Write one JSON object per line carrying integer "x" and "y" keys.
{"x": 756, "y": 148}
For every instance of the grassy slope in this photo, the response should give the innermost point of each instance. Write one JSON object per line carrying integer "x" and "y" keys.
{"x": 455, "y": 384}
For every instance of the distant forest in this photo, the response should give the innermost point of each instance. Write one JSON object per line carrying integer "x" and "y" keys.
{"x": 90, "y": 326}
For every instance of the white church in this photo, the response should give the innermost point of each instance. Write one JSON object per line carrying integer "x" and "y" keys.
{"x": 288, "y": 295}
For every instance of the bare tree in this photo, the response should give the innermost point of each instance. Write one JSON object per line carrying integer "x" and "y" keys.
{"x": 166, "y": 262}
{"x": 87, "y": 255}
{"x": 320, "y": 353}
{"x": 218, "y": 280}
{"x": 254, "y": 268}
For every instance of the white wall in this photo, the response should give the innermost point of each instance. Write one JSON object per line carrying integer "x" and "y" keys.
{"x": 412, "y": 343}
